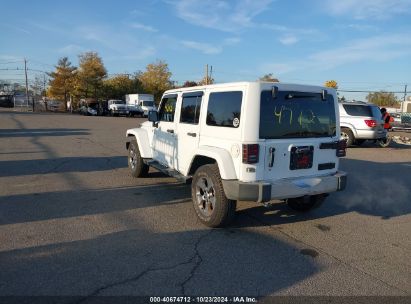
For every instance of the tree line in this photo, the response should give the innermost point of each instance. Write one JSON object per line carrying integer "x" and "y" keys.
{"x": 90, "y": 80}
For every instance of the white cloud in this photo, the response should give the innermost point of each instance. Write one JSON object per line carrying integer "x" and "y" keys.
{"x": 143, "y": 27}
{"x": 288, "y": 39}
{"x": 232, "y": 41}
{"x": 368, "y": 9}
{"x": 374, "y": 49}
{"x": 202, "y": 47}
{"x": 210, "y": 49}
{"x": 223, "y": 15}
{"x": 113, "y": 40}
{"x": 357, "y": 27}
{"x": 71, "y": 49}
{"x": 378, "y": 48}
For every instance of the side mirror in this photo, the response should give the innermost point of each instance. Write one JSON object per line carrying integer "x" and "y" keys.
{"x": 153, "y": 117}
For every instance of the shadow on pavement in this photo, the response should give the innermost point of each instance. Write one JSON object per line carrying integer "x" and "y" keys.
{"x": 65, "y": 204}
{"x": 377, "y": 189}
{"x": 139, "y": 262}
{"x": 60, "y": 165}
{"x": 42, "y": 132}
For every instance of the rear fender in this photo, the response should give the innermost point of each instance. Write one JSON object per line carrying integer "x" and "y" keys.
{"x": 222, "y": 157}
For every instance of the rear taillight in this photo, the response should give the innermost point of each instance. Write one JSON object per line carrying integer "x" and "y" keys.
{"x": 341, "y": 148}
{"x": 250, "y": 154}
{"x": 371, "y": 123}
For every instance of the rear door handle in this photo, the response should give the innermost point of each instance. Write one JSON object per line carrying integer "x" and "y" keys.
{"x": 170, "y": 130}
{"x": 192, "y": 134}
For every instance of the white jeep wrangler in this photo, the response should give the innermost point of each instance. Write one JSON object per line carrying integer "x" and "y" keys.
{"x": 252, "y": 141}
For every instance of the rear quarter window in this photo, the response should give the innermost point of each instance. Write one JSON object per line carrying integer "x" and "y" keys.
{"x": 224, "y": 109}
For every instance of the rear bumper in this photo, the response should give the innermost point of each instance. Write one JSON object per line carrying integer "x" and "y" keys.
{"x": 282, "y": 189}
{"x": 371, "y": 134}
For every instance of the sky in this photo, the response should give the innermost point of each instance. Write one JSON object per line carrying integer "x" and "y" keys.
{"x": 362, "y": 44}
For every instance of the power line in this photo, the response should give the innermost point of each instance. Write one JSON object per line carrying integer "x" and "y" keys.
{"x": 9, "y": 62}
{"x": 368, "y": 91}
{"x": 40, "y": 63}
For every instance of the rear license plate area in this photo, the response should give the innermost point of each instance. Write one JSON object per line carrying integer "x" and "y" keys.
{"x": 301, "y": 157}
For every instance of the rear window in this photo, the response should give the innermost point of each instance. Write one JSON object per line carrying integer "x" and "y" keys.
{"x": 358, "y": 110}
{"x": 296, "y": 115}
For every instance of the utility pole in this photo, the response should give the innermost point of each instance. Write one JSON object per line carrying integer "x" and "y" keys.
{"x": 27, "y": 85}
{"x": 206, "y": 78}
{"x": 405, "y": 96}
{"x": 44, "y": 90}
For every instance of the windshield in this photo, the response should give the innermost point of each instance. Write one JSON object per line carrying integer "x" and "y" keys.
{"x": 296, "y": 115}
{"x": 148, "y": 103}
{"x": 119, "y": 102}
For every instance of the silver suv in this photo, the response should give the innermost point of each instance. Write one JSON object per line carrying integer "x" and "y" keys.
{"x": 360, "y": 121}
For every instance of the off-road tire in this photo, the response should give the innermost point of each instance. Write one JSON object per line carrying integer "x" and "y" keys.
{"x": 348, "y": 136}
{"x": 306, "y": 203}
{"x": 211, "y": 205}
{"x": 135, "y": 162}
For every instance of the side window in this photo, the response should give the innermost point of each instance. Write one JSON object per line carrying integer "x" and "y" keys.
{"x": 190, "y": 108}
{"x": 224, "y": 109}
{"x": 168, "y": 108}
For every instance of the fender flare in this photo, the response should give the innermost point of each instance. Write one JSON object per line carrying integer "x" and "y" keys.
{"x": 222, "y": 157}
{"x": 348, "y": 126}
{"x": 141, "y": 137}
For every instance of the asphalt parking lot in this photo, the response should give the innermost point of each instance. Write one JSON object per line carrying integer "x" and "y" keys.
{"x": 74, "y": 222}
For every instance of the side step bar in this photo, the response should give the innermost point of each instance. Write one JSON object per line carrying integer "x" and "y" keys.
{"x": 166, "y": 170}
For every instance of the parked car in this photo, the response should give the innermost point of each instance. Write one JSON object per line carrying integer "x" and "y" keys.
{"x": 253, "y": 141}
{"x": 90, "y": 109}
{"x": 6, "y": 100}
{"x": 117, "y": 107}
{"x": 360, "y": 121}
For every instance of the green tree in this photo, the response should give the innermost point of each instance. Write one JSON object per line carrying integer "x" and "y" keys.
{"x": 62, "y": 80}
{"x": 383, "y": 99}
{"x": 120, "y": 85}
{"x": 90, "y": 75}
{"x": 189, "y": 83}
{"x": 156, "y": 79}
{"x": 269, "y": 77}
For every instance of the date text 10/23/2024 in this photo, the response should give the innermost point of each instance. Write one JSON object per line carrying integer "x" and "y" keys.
{"x": 187, "y": 299}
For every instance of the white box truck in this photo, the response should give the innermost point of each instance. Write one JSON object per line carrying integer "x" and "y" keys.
{"x": 143, "y": 101}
